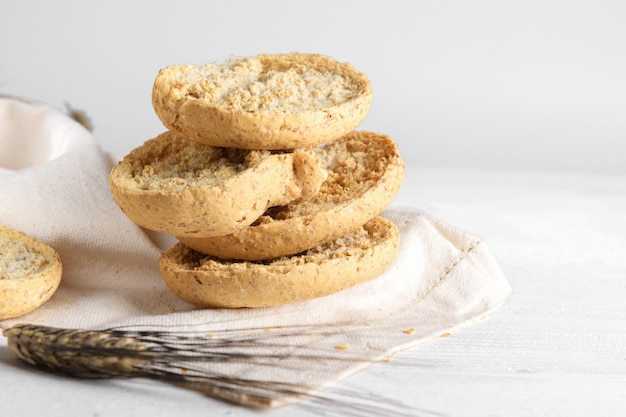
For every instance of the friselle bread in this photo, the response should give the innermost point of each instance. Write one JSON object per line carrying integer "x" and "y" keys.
{"x": 206, "y": 281}
{"x": 270, "y": 101}
{"x": 181, "y": 187}
{"x": 30, "y": 273}
{"x": 272, "y": 194}
{"x": 365, "y": 171}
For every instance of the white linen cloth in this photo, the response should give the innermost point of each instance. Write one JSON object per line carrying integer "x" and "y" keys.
{"x": 54, "y": 186}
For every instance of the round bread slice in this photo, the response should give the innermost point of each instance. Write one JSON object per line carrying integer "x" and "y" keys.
{"x": 270, "y": 101}
{"x": 206, "y": 281}
{"x": 30, "y": 273}
{"x": 177, "y": 186}
{"x": 365, "y": 172}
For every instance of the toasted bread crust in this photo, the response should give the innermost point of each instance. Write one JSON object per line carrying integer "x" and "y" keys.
{"x": 365, "y": 172}
{"x": 180, "y": 187}
{"x": 352, "y": 259}
{"x": 30, "y": 273}
{"x": 267, "y": 102}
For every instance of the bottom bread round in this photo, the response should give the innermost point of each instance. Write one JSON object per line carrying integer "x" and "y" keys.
{"x": 206, "y": 281}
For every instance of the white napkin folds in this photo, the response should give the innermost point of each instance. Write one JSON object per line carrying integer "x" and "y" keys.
{"x": 54, "y": 186}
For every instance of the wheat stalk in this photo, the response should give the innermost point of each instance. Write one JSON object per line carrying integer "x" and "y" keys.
{"x": 194, "y": 360}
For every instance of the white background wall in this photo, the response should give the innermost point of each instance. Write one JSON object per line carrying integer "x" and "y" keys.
{"x": 519, "y": 84}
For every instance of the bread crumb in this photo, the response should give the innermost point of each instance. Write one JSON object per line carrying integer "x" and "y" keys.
{"x": 244, "y": 84}
{"x": 446, "y": 334}
{"x": 410, "y": 330}
{"x": 18, "y": 260}
{"x": 342, "y": 346}
{"x": 179, "y": 164}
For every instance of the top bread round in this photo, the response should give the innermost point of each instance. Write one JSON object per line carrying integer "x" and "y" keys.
{"x": 266, "y": 102}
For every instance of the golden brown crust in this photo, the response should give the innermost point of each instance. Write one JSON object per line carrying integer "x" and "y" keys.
{"x": 180, "y": 187}
{"x": 365, "y": 172}
{"x": 30, "y": 273}
{"x": 352, "y": 259}
{"x": 258, "y": 102}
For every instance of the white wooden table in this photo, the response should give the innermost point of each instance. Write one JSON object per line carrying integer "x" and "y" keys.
{"x": 556, "y": 348}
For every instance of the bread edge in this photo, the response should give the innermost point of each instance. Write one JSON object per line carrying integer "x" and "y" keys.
{"x": 258, "y": 286}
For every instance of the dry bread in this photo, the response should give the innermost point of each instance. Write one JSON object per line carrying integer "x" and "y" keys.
{"x": 365, "y": 172}
{"x": 180, "y": 187}
{"x": 30, "y": 273}
{"x": 270, "y": 101}
{"x": 206, "y": 281}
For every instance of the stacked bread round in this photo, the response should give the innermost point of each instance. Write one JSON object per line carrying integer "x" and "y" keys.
{"x": 273, "y": 195}
{"x": 30, "y": 273}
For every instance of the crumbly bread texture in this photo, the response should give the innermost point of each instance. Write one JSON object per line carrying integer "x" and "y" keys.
{"x": 365, "y": 172}
{"x": 270, "y": 101}
{"x": 184, "y": 188}
{"x": 30, "y": 273}
{"x": 207, "y": 281}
